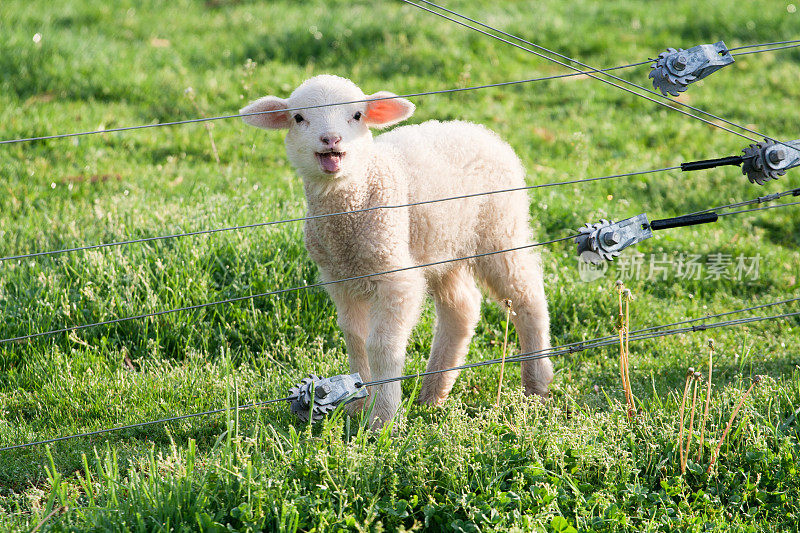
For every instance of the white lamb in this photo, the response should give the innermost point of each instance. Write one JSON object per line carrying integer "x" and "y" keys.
{"x": 344, "y": 169}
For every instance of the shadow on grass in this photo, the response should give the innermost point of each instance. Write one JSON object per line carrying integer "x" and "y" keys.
{"x": 787, "y": 235}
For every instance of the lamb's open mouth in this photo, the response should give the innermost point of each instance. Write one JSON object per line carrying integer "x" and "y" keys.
{"x": 331, "y": 162}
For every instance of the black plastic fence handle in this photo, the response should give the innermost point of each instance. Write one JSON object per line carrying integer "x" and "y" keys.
{"x": 688, "y": 220}
{"x": 734, "y": 160}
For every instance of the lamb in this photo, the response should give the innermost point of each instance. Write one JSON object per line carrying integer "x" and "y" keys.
{"x": 343, "y": 168}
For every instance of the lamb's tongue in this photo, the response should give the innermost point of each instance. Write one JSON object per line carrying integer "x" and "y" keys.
{"x": 330, "y": 162}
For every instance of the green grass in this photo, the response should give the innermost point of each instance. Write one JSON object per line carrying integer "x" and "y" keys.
{"x": 575, "y": 463}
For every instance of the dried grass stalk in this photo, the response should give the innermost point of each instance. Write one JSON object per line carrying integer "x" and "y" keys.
{"x": 622, "y": 325}
{"x": 697, "y": 377}
{"x": 708, "y": 398}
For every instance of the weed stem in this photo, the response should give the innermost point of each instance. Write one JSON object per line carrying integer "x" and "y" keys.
{"x": 708, "y": 398}
{"x": 689, "y": 375}
{"x": 755, "y": 382}
{"x": 509, "y": 310}
{"x": 697, "y": 377}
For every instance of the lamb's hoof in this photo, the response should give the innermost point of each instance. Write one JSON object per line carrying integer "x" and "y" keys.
{"x": 539, "y": 393}
{"x": 431, "y": 399}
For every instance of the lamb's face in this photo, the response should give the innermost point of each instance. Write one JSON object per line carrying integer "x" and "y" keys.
{"x": 328, "y": 141}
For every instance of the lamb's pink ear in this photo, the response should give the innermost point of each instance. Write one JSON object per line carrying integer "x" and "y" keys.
{"x": 276, "y": 120}
{"x": 385, "y": 113}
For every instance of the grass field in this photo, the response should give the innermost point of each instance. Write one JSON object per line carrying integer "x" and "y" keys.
{"x": 575, "y": 463}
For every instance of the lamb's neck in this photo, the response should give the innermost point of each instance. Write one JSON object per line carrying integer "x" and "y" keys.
{"x": 336, "y": 195}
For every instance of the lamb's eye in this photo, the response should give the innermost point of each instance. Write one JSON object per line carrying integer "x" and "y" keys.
{"x": 357, "y": 116}
{"x": 298, "y": 118}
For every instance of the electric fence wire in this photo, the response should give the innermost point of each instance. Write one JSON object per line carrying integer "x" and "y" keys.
{"x": 767, "y": 50}
{"x": 759, "y": 200}
{"x": 698, "y": 319}
{"x": 579, "y": 347}
{"x": 588, "y": 73}
{"x": 366, "y": 100}
{"x": 414, "y": 95}
{"x": 275, "y": 292}
{"x": 148, "y": 423}
{"x": 642, "y": 334}
{"x": 324, "y": 283}
{"x": 609, "y": 340}
{"x": 758, "y": 209}
{"x": 325, "y": 215}
{"x": 795, "y": 42}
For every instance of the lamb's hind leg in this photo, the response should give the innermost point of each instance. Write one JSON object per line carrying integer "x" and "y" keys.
{"x": 458, "y": 306}
{"x": 518, "y": 276}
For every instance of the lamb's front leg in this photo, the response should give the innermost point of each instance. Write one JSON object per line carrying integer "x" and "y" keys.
{"x": 396, "y": 305}
{"x": 351, "y": 311}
